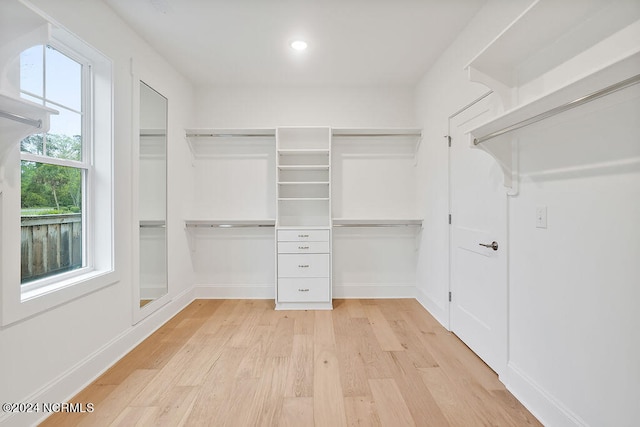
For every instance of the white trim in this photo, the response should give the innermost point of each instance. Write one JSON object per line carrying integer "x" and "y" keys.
{"x": 83, "y": 373}
{"x": 441, "y": 314}
{"x": 235, "y": 291}
{"x": 373, "y": 290}
{"x": 542, "y": 404}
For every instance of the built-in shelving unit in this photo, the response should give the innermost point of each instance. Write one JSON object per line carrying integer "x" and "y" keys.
{"x": 304, "y": 218}
{"x": 537, "y": 73}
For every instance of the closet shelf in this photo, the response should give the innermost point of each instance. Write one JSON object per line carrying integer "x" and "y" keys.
{"x": 201, "y": 140}
{"x": 532, "y": 45}
{"x": 229, "y": 223}
{"x": 412, "y": 136}
{"x": 293, "y": 151}
{"x": 608, "y": 79}
{"x": 152, "y": 132}
{"x": 20, "y": 118}
{"x": 303, "y": 182}
{"x": 301, "y": 199}
{"x": 349, "y": 222}
{"x": 230, "y": 133}
{"x": 303, "y": 167}
{"x": 152, "y": 223}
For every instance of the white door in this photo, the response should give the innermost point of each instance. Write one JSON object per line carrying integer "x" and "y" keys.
{"x": 478, "y": 282}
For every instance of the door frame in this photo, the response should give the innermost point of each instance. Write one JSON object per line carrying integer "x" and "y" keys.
{"x": 501, "y": 369}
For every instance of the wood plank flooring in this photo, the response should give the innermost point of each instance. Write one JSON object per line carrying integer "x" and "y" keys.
{"x": 240, "y": 363}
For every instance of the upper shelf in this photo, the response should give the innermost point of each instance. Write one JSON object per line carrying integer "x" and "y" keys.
{"x": 545, "y": 36}
{"x": 614, "y": 77}
{"x": 20, "y": 118}
{"x": 200, "y": 140}
{"x": 349, "y": 222}
{"x": 410, "y": 136}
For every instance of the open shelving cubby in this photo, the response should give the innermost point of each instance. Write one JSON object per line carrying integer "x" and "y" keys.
{"x": 303, "y": 176}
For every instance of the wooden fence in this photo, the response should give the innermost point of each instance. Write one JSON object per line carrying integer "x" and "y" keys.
{"x": 51, "y": 244}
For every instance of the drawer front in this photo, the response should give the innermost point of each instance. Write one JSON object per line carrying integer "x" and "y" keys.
{"x": 303, "y": 290}
{"x": 303, "y": 235}
{"x": 303, "y": 247}
{"x": 312, "y": 265}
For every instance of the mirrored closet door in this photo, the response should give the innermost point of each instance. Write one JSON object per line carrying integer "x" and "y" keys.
{"x": 152, "y": 195}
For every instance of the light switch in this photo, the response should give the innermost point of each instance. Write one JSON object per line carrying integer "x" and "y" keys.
{"x": 541, "y": 217}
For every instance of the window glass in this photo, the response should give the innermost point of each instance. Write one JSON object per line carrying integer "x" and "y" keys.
{"x": 52, "y": 189}
{"x": 64, "y": 139}
{"x": 51, "y": 220}
{"x": 63, "y": 79}
{"x": 32, "y": 71}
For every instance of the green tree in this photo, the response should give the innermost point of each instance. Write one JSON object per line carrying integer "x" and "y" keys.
{"x": 46, "y": 185}
{"x": 53, "y": 178}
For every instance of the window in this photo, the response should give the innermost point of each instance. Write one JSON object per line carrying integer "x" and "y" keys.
{"x": 55, "y": 167}
{"x": 65, "y": 173}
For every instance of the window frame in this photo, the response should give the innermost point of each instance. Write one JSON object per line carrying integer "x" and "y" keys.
{"x": 30, "y": 288}
{"x": 17, "y": 304}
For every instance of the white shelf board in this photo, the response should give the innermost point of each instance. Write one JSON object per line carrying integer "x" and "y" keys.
{"x": 229, "y": 133}
{"x": 20, "y": 118}
{"x": 153, "y": 132}
{"x": 579, "y": 88}
{"x": 303, "y": 182}
{"x": 379, "y": 132}
{"x": 583, "y": 87}
{"x": 304, "y": 167}
{"x": 377, "y": 222}
{"x": 379, "y": 135}
{"x": 294, "y": 151}
{"x": 229, "y": 223}
{"x": 549, "y": 42}
{"x": 301, "y": 199}
{"x": 304, "y": 227}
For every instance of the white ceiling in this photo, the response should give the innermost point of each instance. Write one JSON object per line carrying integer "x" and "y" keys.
{"x": 351, "y": 42}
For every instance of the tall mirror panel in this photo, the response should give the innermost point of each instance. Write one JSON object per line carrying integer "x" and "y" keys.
{"x": 152, "y": 195}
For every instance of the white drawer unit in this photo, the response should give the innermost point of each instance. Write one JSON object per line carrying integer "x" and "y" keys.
{"x": 303, "y": 265}
{"x": 303, "y": 235}
{"x": 303, "y": 269}
{"x": 315, "y": 289}
{"x": 303, "y": 247}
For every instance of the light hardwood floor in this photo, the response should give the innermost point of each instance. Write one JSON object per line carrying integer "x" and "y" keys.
{"x": 240, "y": 363}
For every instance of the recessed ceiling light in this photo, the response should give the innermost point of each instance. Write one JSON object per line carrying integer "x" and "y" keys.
{"x": 299, "y": 45}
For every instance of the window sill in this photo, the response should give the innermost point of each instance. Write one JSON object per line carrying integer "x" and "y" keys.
{"x": 36, "y": 301}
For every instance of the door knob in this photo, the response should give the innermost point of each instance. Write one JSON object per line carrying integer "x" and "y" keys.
{"x": 493, "y": 245}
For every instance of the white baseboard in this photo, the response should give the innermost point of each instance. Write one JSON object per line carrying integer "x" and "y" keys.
{"x": 71, "y": 382}
{"x": 359, "y": 290}
{"x": 439, "y": 313}
{"x": 374, "y": 290}
{"x": 235, "y": 291}
{"x": 544, "y": 406}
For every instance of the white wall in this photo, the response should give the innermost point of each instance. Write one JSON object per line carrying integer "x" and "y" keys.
{"x": 49, "y": 357}
{"x": 573, "y": 287}
{"x": 304, "y": 106}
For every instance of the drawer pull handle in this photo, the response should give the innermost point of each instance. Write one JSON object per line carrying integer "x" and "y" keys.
{"x": 303, "y": 235}
{"x": 303, "y": 290}
{"x": 303, "y": 265}
{"x": 303, "y": 247}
